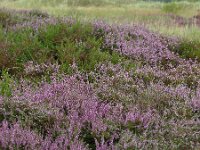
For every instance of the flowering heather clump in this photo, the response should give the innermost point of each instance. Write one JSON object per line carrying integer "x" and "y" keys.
{"x": 185, "y": 73}
{"x": 75, "y": 110}
{"x": 96, "y": 86}
{"x": 136, "y": 42}
{"x": 195, "y": 103}
{"x": 14, "y": 137}
{"x": 39, "y": 69}
{"x": 70, "y": 107}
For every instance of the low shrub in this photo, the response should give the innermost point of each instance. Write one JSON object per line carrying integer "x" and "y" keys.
{"x": 188, "y": 49}
{"x": 61, "y": 43}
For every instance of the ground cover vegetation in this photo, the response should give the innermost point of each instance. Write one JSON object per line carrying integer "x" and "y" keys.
{"x": 71, "y": 83}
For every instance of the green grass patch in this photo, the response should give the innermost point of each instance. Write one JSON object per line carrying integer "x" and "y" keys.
{"x": 61, "y": 43}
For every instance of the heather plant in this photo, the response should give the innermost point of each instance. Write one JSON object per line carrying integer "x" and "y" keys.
{"x": 33, "y": 69}
{"x": 138, "y": 43}
{"x": 188, "y": 49}
{"x": 64, "y": 103}
{"x": 56, "y": 42}
{"x": 53, "y": 107}
{"x": 93, "y": 85}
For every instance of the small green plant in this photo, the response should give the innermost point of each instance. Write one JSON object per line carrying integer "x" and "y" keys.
{"x": 5, "y": 88}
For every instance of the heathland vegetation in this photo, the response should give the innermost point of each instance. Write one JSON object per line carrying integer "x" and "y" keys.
{"x": 99, "y": 74}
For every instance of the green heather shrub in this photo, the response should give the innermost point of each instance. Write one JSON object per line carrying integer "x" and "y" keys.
{"x": 59, "y": 43}
{"x": 188, "y": 49}
{"x": 74, "y": 43}
{"x": 5, "y": 82}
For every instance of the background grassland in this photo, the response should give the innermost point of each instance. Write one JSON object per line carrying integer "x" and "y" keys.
{"x": 154, "y": 15}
